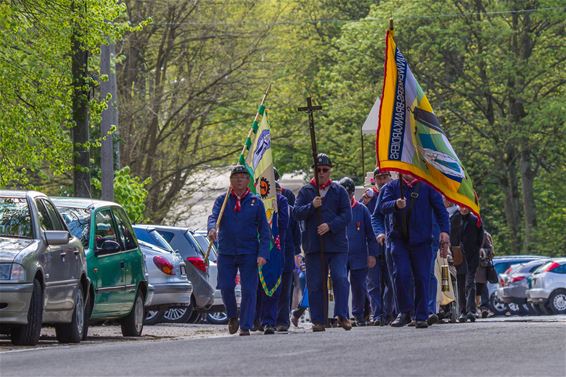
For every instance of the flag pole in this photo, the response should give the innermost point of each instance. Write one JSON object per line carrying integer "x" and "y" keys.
{"x": 223, "y": 208}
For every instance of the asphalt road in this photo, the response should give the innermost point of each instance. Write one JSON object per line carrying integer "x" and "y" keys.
{"x": 507, "y": 347}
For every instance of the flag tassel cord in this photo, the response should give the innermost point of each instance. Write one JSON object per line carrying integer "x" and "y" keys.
{"x": 222, "y": 209}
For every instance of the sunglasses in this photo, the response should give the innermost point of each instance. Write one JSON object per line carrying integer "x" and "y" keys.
{"x": 323, "y": 170}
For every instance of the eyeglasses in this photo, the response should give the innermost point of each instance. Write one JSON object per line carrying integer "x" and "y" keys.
{"x": 323, "y": 170}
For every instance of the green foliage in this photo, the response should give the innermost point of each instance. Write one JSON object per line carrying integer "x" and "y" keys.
{"x": 130, "y": 192}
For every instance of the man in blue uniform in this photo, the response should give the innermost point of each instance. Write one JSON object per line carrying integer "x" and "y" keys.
{"x": 267, "y": 305}
{"x": 362, "y": 251}
{"x": 327, "y": 227}
{"x": 243, "y": 244}
{"x": 380, "y": 287}
{"x": 408, "y": 207}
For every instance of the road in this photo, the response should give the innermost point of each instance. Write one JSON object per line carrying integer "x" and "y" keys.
{"x": 515, "y": 346}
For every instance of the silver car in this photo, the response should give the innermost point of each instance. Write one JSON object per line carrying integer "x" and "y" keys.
{"x": 167, "y": 277}
{"x": 216, "y": 314}
{"x": 43, "y": 275}
{"x": 548, "y": 286}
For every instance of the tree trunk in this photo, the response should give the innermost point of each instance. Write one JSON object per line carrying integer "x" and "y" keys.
{"x": 527, "y": 185}
{"x": 80, "y": 131}
{"x": 511, "y": 203}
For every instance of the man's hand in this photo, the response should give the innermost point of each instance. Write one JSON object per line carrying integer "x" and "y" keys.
{"x": 444, "y": 244}
{"x": 323, "y": 229}
{"x": 401, "y": 203}
{"x": 317, "y": 201}
{"x": 261, "y": 261}
{"x": 371, "y": 261}
{"x": 380, "y": 238}
{"x": 212, "y": 235}
{"x": 298, "y": 260}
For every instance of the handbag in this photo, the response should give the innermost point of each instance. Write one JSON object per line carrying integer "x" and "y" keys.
{"x": 491, "y": 273}
{"x": 457, "y": 255}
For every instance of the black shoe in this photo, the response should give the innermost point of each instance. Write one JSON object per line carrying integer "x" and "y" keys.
{"x": 256, "y": 326}
{"x": 244, "y": 332}
{"x": 432, "y": 319}
{"x": 471, "y": 317}
{"x": 484, "y": 313}
{"x": 413, "y": 323}
{"x": 359, "y": 323}
{"x": 269, "y": 330}
{"x": 296, "y": 315}
{"x": 317, "y": 327}
{"x": 462, "y": 318}
{"x": 233, "y": 325}
{"x": 282, "y": 328}
{"x": 421, "y": 324}
{"x": 401, "y": 320}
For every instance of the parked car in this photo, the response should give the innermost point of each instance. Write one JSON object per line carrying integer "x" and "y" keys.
{"x": 217, "y": 314}
{"x": 114, "y": 261}
{"x": 43, "y": 272}
{"x": 548, "y": 286}
{"x": 167, "y": 277}
{"x": 182, "y": 241}
{"x": 501, "y": 264}
{"x": 513, "y": 284}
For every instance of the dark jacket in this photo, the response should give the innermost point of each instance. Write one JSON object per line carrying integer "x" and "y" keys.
{"x": 282, "y": 220}
{"x": 427, "y": 204}
{"x": 466, "y": 233}
{"x": 335, "y": 211}
{"x": 293, "y": 237}
{"x": 361, "y": 239}
{"x": 243, "y": 232}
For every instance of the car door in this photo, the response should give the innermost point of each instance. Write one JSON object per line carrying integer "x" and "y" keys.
{"x": 132, "y": 256}
{"x": 108, "y": 267}
{"x": 54, "y": 264}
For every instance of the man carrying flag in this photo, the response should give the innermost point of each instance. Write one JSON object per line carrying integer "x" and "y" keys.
{"x": 243, "y": 244}
{"x": 411, "y": 141}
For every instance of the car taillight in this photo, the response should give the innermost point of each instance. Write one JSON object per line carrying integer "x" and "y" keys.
{"x": 551, "y": 267}
{"x": 198, "y": 263}
{"x": 164, "y": 265}
{"x": 238, "y": 279}
{"x": 515, "y": 279}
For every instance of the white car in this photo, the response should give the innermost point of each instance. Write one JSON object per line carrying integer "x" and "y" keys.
{"x": 547, "y": 286}
{"x": 167, "y": 278}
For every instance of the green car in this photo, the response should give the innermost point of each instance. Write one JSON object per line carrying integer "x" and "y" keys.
{"x": 114, "y": 261}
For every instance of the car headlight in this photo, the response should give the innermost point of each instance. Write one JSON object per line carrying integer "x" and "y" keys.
{"x": 12, "y": 271}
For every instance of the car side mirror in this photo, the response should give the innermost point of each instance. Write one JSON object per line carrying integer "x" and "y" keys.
{"x": 57, "y": 237}
{"x": 108, "y": 247}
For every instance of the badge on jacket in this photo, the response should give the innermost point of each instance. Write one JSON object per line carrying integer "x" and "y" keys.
{"x": 253, "y": 202}
{"x": 358, "y": 225}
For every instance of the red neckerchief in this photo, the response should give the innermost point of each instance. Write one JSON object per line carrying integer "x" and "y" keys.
{"x": 410, "y": 184}
{"x": 353, "y": 202}
{"x": 238, "y": 205}
{"x": 323, "y": 186}
{"x": 375, "y": 189}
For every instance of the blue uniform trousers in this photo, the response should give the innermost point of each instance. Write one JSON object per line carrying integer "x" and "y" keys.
{"x": 374, "y": 292}
{"x": 391, "y": 292}
{"x": 228, "y": 266}
{"x": 433, "y": 284}
{"x": 338, "y": 264}
{"x": 358, "y": 281}
{"x": 412, "y": 261}
{"x": 267, "y": 306}
{"x": 284, "y": 305}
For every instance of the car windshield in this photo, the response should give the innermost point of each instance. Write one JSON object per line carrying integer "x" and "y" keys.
{"x": 15, "y": 218}
{"x": 542, "y": 267}
{"x": 78, "y": 221}
{"x": 203, "y": 243}
{"x": 502, "y": 267}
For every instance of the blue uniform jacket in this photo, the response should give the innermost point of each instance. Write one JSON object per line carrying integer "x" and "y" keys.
{"x": 361, "y": 239}
{"x": 244, "y": 232}
{"x": 282, "y": 221}
{"x": 429, "y": 203}
{"x": 336, "y": 212}
{"x": 372, "y": 203}
{"x": 293, "y": 237}
{"x": 377, "y": 218}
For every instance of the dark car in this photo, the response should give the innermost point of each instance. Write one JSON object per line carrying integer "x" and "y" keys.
{"x": 182, "y": 241}
{"x": 43, "y": 271}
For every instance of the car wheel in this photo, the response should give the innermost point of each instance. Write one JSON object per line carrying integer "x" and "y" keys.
{"x": 28, "y": 335}
{"x": 514, "y": 308}
{"x": 497, "y": 306}
{"x": 178, "y": 314}
{"x": 88, "y": 311}
{"x": 217, "y": 318}
{"x": 153, "y": 316}
{"x": 132, "y": 325}
{"x": 557, "y": 301}
{"x": 73, "y": 332}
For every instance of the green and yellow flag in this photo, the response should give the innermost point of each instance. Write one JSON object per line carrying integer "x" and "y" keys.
{"x": 410, "y": 138}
